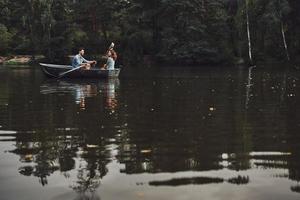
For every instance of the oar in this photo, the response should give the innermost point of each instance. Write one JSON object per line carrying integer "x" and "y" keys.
{"x": 71, "y": 70}
{"x": 111, "y": 46}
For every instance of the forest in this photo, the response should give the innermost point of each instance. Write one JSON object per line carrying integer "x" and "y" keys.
{"x": 192, "y": 32}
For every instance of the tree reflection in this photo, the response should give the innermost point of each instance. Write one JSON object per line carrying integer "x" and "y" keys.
{"x": 179, "y": 133}
{"x": 296, "y": 188}
{"x": 248, "y": 86}
{"x": 200, "y": 181}
{"x": 87, "y": 181}
{"x": 233, "y": 120}
{"x": 43, "y": 157}
{"x": 187, "y": 126}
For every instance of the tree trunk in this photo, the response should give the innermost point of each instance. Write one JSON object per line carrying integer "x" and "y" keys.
{"x": 104, "y": 32}
{"x": 94, "y": 20}
{"x": 31, "y": 29}
{"x": 49, "y": 27}
{"x": 248, "y": 33}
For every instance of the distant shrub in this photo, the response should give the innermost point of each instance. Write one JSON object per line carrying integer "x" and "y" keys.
{"x": 5, "y": 39}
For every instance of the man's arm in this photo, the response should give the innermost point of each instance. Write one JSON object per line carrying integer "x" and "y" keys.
{"x": 84, "y": 60}
{"x": 88, "y": 61}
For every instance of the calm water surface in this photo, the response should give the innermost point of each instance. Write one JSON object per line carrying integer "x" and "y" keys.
{"x": 162, "y": 134}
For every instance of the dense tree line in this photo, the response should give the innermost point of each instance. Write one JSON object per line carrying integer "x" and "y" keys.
{"x": 181, "y": 31}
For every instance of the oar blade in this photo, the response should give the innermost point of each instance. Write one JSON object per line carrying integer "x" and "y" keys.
{"x": 71, "y": 70}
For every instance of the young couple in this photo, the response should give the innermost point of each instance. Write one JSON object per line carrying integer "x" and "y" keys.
{"x": 80, "y": 61}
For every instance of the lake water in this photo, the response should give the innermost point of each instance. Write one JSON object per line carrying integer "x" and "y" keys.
{"x": 170, "y": 133}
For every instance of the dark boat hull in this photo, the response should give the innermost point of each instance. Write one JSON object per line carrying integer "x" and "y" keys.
{"x": 54, "y": 71}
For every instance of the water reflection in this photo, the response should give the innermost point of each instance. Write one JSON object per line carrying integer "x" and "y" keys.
{"x": 70, "y": 153}
{"x": 296, "y": 188}
{"x": 90, "y": 170}
{"x": 200, "y": 180}
{"x": 214, "y": 128}
{"x": 38, "y": 159}
{"x": 109, "y": 89}
{"x": 49, "y": 149}
{"x": 249, "y": 84}
{"x": 82, "y": 89}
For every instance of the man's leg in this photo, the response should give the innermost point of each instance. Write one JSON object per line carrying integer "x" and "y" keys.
{"x": 87, "y": 66}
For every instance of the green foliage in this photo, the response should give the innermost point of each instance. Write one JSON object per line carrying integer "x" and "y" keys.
{"x": 172, "y": 31}
{"x": 195, "y": 32}
{"x": 5, "y": 39}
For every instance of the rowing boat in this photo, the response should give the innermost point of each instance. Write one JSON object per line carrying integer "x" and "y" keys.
{"x": 56, "y": 71}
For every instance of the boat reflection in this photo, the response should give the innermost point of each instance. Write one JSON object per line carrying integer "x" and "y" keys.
{"x": 80, "y": 89}
{"x": 83, "y": 89}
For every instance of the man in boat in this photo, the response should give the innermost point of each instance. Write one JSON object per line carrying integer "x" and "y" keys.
{"x": 79, "y": 60}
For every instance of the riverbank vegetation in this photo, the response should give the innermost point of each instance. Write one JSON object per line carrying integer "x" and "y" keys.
{"x": 166, "y": 31}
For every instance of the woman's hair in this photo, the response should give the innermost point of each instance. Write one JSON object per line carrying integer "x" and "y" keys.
{"x": 113, "y": 54}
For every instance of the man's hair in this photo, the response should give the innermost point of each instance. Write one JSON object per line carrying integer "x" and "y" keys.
{"x": 80, "y": 48}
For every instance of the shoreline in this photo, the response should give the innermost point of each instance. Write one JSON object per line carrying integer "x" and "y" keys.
{"x": 18, "y": 59}
{"x": 27, "y": 60}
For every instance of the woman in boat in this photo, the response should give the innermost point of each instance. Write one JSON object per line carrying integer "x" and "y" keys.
{"x": 79, "y": 60}
{"x": 110, "y": 63}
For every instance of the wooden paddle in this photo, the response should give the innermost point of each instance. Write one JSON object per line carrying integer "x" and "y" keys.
{"x": 71, "y": 70}
{"x": 111, "y": 46}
